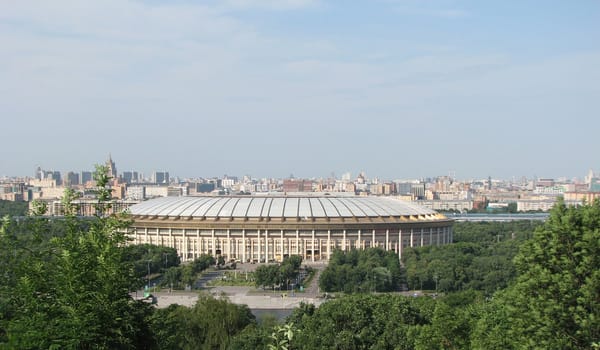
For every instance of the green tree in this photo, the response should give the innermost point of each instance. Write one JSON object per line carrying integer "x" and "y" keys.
{"x": 361, "y": 271}
{"x": 144, "y": 256}
{"x": 282, "y": 337}
{"x": 364, "y": 321}
{"x": 13, "y": 208}
{"x": 267, "y": 275}
{"x": 72, "y": 290}
{"x": 210, "y": 324}
{"x": 555, "y": 302}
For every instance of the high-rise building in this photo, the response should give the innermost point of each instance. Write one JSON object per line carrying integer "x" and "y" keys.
{"x": 56, "y": 176}
{"x": 72, "y": 178}
{"x": 128, "y": 177}
{"x": 160, "y": 177}
{"x": 86, "y": 176}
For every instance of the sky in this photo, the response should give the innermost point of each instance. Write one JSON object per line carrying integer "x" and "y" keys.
{"x": 268, "y": 88}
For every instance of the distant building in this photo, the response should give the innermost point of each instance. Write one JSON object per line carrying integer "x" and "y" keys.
{"x": 580, "y": 197}
{"x": 136, "y": 193}
{"x": 128, "y": 177}
{"x": 86, "y": 176}
{"x": 297, "y": 185}
{"x": 112, "y": 167}
{"x": 447, "y": 205}
{"x": 72, "y": 178}
{"x": 535, "y": 205}
{"x": 86, "y": 207}
{"x": 157, "y": 191}
{"x": 205, "y": 187}
{"x": 160, "y": 177}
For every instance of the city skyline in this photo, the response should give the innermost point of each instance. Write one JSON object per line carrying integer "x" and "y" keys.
{"x": 150, "y": 175}
{"x": 399, "y": 89}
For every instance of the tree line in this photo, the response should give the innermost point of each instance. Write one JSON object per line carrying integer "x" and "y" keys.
{"x": 13, "y": 208}
{"x": 370, "y": 270}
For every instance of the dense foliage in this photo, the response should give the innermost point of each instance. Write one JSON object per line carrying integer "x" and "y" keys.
{"x": 480, "y": 259}
{"x": 69, "y": 290}
{"x": 370, "y": 270}
{"x": 13, "y": 208}
{"x": 149, "y": 258}
{"x": 278, "y": 274}
{"x": 384, "y": 321}
{"x": 555, "y": 302}
{"x": 210, "y": 324}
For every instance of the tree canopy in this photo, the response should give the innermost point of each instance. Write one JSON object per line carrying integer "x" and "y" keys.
{"x": 555, "y": 302}
{"x": 481, "y": 258}
{"x": 69, "y": 290}
{"x": 370, "y": 270}
{"x": 13, "y": 208}
{"x": 278, "y": 274}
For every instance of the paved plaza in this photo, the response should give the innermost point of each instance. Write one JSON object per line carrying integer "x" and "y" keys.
{"x": 254, "y": 298}
{"x": 239, "y": 295}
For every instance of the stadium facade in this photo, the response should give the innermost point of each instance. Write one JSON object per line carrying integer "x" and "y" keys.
{"x": 268, "y": 228}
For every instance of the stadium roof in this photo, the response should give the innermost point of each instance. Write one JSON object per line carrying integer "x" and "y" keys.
{"x": 278, "y": 207}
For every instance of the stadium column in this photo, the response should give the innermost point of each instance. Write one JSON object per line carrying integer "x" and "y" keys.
{"x": 387, "y": 239}
{"x": 437, "y": 239}
{"x": 228, "y": 244}
{"x": 328, "y": 244}
{"x": 431, "y": 236}
{"x": 185, "y": 244}
{"x": 411, "y": 237}
{"x": 243, "y": 245}
{"x": 214, "y": 244}
{"x": 145, "y": 235}
{"x": 172, "y": 242}
{"x": 297, "y": 242}
{"x": 400, "y": 243}
{"x": 422, "y": 232}
{"x": 266, "y": 246}
{"x": 198, "y": 244}
{"x": 344, "y": 240}
{"x": 358, "y": 245}
{"x": 313, "y": 246}
{"x": 373, "y": 239}
{"x": 282, "y": 248}
{"x": 304, "y": 249}
{"x": 258, "y": 238}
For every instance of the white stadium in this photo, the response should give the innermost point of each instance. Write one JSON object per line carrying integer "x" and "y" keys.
{"x": 269, "y": 228}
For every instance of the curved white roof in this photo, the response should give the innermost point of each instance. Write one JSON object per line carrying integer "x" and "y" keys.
{"x": 277, "y": 207}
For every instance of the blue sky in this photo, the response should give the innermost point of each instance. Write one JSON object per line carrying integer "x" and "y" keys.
{"x": 397, "y": 88}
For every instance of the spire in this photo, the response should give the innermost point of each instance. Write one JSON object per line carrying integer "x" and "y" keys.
{"x": 112, "y": 168}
